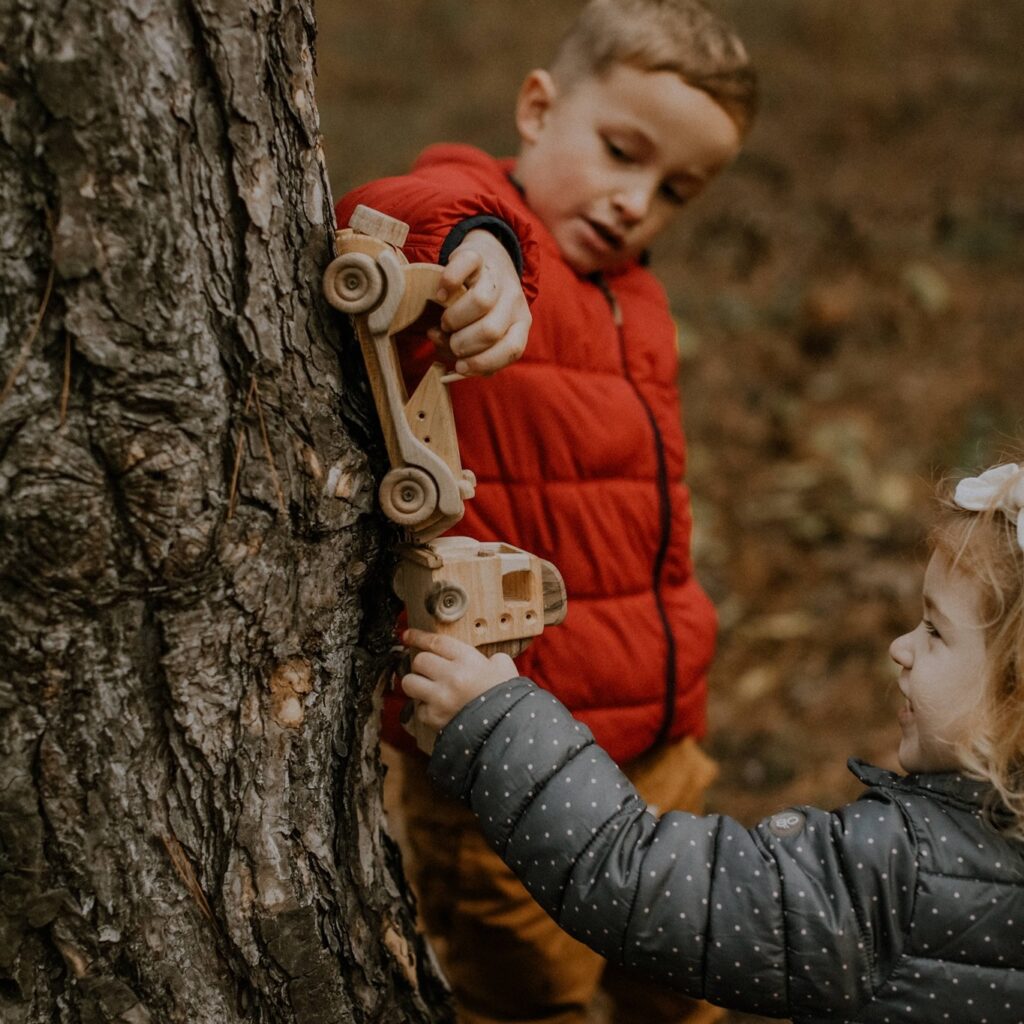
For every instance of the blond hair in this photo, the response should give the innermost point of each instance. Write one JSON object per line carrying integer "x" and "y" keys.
{"x": 985, "y": 546}
{"x": 681, "y": 36}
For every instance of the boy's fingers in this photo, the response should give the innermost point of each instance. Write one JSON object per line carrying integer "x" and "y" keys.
{"x": 461, "y": 268}
{"x": 497, "y": 356}
{"x": 442, "y": 342}
{"x": 469, "y": 309}
{"x": 479, "y": 336}
{"x": 503, "y": 329}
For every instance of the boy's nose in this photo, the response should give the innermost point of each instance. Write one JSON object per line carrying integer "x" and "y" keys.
{"x": 633, "y": 202}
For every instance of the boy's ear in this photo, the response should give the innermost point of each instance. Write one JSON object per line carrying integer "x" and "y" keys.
{"x": 536, "y": 96}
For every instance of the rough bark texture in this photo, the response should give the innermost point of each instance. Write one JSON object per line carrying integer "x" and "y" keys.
{"x": 190, "y": 822}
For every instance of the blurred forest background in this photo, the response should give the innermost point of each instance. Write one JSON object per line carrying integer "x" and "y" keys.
{"x": 850, "y": 304}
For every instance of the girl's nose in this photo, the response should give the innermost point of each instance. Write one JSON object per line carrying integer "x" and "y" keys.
{"x": 901, "y": 651}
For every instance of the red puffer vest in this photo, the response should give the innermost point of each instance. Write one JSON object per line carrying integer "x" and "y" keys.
{"x": 579, "y": 456}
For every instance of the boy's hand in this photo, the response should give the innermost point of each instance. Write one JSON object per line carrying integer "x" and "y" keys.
{"x": 487, "y": 327}
{"x": 446, "y": 674}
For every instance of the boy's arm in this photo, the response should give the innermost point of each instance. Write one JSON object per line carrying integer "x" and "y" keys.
{"x": 750, "y": 919}
{"x": 484, "y": 245}
{"x": 439, "y": 218}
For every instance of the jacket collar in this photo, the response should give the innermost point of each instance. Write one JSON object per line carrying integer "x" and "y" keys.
{"x": 952, "y": 787}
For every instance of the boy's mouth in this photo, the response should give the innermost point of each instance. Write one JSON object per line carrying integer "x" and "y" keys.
{"x": 608, "y": 235}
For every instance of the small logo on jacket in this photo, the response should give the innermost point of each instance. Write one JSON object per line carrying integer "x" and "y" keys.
{"x": 786, "y": 824}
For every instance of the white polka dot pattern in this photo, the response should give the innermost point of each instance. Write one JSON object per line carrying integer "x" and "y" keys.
{"x": 901, "y": 907}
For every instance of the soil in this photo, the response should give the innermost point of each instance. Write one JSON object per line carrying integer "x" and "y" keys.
{"x": 850, "y": 306}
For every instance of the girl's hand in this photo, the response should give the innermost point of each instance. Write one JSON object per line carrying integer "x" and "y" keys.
{"x": 446, "y": 674}
{"x": 486, "y": 329}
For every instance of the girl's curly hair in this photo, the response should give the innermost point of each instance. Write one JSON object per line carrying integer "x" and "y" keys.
{"x": 985, "y": 545}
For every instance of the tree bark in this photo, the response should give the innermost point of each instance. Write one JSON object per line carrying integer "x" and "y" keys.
{"x": 192, "y": 617}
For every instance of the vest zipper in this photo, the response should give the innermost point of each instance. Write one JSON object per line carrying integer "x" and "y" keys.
{"x": 665, "y": 518}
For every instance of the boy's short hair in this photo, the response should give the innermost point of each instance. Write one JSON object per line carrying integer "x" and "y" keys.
{"x": 681, "y": 36}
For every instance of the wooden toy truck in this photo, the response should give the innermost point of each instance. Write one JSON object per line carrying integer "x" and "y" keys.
{"x": 492, "y": 595}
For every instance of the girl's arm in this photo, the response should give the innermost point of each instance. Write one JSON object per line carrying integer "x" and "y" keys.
{"x": 793, "y": 917}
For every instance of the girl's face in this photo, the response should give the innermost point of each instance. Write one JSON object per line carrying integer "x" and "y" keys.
{"x": 942, "y": 669}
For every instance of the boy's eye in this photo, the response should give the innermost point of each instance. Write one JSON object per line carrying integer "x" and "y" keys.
{"x": 617, "y": 151}
{"x": 929, "y": 628}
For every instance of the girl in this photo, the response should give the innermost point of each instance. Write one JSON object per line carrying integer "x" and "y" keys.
{"x": 905, "y": 906}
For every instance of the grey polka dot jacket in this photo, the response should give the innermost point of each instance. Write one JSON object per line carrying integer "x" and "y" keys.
{"x": 902, "y": 908}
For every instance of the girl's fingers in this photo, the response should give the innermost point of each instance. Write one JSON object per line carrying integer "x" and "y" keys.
{"x": 504, "y": 665}
{"x": 435, "y": 643}
{"x": 425, "y": 705}
{"x": 431, "y": 666}
{"x": 416, "y": 686}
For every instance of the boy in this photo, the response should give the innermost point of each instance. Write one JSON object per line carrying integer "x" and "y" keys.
{"x": 577, "y": 448}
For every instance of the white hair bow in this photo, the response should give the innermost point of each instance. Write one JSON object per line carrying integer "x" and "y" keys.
{"x": 993, "y": 490}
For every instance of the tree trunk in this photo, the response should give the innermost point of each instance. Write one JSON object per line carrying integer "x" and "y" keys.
{"x": 192, "y": 617}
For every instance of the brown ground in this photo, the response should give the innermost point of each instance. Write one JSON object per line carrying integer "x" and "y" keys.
{"x": 850, "y": 304}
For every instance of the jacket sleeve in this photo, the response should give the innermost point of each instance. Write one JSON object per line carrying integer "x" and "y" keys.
{"x": 791, "y": 917}
{"x": 441, "y": 203}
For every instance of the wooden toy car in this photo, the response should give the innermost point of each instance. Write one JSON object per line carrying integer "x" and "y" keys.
{"x": 492, "y": 595}
{"x": 374, "y": 283}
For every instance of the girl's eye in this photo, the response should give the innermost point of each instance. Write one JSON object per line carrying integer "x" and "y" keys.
{"x": 929, "y": 628}
{"x": 673, "y": 196}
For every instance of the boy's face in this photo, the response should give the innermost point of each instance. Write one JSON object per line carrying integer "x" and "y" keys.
{"x": 942, "y": 669}
{"x": 607, "y": 163}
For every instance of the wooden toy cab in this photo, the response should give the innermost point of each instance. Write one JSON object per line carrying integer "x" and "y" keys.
{"x": 374, "y": 283}
{"x": 492, "y": 595}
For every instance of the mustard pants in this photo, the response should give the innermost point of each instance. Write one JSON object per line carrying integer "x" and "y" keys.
{"x": 505, "y": 958}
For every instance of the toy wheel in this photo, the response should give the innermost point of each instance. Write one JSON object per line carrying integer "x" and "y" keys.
{"x": 408, "y": 496}
{"x": 447, "y": 602}
{"x": 353, "y": 283}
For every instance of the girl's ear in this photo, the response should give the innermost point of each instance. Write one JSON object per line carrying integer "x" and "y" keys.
{"x": 536, "y": 97}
